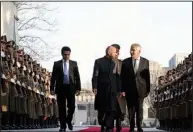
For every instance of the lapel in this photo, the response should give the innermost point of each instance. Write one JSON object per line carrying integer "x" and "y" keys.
{"x": 61, "y": 66}
{"x": 110, "y": 64}
{"x": 131, "y": 65}
{"x": 140, "y": 65}
{"x": 70, "y": 68}
{"x": 113, "y": 66}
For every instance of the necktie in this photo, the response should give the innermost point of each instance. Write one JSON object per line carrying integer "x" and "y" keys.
{"x": 66, "y": 80}
{"x": 135, "y": 65}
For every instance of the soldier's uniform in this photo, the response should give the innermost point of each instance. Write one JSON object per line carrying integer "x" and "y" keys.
{"x": 20, "y": 86}
{"x": 173, "y": 101}
{"x": 25, "y": 100}
{"x": 8, "y": 92}
{"x": 4, "y": 84}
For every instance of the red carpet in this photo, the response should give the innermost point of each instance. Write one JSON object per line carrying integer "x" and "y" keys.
{"x": 97, "y": 129}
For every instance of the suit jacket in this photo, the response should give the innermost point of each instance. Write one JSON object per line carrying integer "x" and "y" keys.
{"x": 135, "y": 83}
{"x": 58, "y": 77}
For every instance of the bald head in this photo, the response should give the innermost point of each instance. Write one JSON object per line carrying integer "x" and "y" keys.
{"x": 111, "y": 51}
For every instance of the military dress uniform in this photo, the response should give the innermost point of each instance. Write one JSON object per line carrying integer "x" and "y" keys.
{"x": 25, "y": 99}
{"x": 5, "y": 81}
{"x": 173, "y": 101}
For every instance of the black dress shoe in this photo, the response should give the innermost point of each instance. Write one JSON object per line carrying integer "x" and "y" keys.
{"x": 109, "y": 130}
{"x": 131, "y": 130}
{"x": 11, "y": 127}
{"x": 70, "y": 126}
{"x": 102, "y": 128}
{"x": 62, "y": 130}
{"x": 5, "y": 127}
{"x": 118, "y": 129}
{"x": 140, "y": 130}
{"x": 21, "y": 126}
{"x": 26, "y": 127}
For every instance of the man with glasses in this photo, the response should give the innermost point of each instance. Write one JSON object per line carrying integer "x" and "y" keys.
{"x": 65, "y": 83}
{"x": 119, "y": 115}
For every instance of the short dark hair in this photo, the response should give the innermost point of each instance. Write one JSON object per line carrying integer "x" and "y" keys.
{"x": 65, "y": 48}
{"x": 117, "y": 46}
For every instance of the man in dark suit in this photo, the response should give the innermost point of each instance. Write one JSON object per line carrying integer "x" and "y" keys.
{"x": 65, "y": 83}
{"x": 106, "y": 86}
{"x": 135, "y": 78}
{"x": 119, "y": 115}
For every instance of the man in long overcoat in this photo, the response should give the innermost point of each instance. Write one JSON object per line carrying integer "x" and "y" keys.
{"x": 106, "y": 86}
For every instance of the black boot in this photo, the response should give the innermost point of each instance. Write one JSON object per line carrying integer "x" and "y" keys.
{"x": 102, "y": 128}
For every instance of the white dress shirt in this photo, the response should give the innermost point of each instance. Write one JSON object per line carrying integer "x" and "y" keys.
{"x": 136, "y": 64}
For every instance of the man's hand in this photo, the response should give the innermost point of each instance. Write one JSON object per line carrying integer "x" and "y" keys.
{"x": 147, "y": 94}
{"x": 123, "y": 94}
{"x": 77, "y": 92}
{"x": 119, "y": 95}
{"x": 52, "y": 92}
{"x": 94, "y": 90}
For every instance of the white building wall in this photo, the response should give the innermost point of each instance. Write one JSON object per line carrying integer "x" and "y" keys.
{"x": 176, "y": 59}
{"x": 156, "y": 70}
{"x": 8, "y": 22}
{"x": 80, "y": 115}
{"x": 92, "y": 113}
{"x": 145, "y": 111}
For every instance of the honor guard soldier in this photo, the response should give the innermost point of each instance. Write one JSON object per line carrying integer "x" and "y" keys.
{"x": 25, "y": 99}
{"x": 173, "y": 101}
